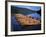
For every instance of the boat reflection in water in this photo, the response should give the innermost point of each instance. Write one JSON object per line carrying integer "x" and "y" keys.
{"x": 25, "y": 18}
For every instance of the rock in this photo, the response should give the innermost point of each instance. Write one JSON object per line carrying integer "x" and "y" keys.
{"x": 25, "y": 20}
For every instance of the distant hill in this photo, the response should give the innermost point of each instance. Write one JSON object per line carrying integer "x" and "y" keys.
{"x": 21, "y": 10}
